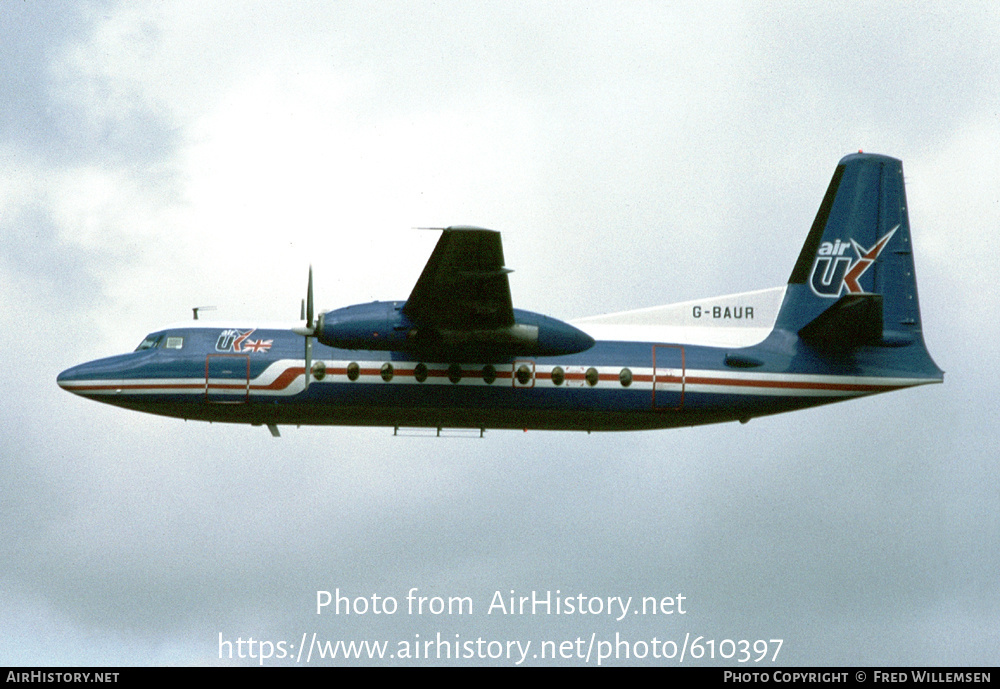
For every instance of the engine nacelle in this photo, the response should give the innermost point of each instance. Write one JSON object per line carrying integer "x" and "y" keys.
{"x": 381, "y": 326}
{"x": 378, "y": 326}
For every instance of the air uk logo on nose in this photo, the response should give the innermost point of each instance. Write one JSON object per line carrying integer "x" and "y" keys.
{"x": 833, "y": 273}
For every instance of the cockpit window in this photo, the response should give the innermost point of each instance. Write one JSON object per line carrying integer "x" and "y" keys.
{"x": 174, "y": 343}
{"x": 150, "y": 342}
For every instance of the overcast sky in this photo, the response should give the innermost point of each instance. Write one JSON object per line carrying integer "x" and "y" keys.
{"x": 160, "y": 156}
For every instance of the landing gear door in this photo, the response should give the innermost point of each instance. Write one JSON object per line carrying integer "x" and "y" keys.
{"x": 668, "y": 377}
{"x": 227, "y": 378}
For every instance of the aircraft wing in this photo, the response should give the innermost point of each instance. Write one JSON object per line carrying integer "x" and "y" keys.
{"x": 464, "y": 285}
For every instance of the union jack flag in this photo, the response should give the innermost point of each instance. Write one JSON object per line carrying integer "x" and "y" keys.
{"x": 257, "y": 345}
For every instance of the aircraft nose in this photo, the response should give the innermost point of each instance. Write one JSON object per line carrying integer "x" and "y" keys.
{"x": 71, "y": 377}
{"x": 94, "y": 376}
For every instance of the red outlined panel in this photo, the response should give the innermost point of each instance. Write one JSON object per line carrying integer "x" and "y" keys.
{"x": 227, "y": 378}
{"x": 668, "y": 377}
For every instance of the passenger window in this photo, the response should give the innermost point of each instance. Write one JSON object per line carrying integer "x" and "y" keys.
{"x": 523, "y": 374}
{"x": 592, "y": 376}
{"x": 625, "y": 377}
{"x": 558, "y": 375}
{"x": 420, "y": 372}
{"x": 489, "y": 374}
{"x": 319, "y": 370}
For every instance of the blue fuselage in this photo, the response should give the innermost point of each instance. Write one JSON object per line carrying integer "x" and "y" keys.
{"x": 257, "y": 376}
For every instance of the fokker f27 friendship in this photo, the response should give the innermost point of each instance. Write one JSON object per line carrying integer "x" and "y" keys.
{"x": 456, "y": 354}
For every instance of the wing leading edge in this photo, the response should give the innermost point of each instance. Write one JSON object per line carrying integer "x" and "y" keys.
{"x": 460, "y": 309}
{"x": 464, "y": 285}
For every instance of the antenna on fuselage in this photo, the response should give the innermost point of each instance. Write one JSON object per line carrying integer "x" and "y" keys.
{"x": 196, "y": 309}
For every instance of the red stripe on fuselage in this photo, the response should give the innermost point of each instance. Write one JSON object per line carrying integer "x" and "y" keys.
{"x": 290, "y": 374}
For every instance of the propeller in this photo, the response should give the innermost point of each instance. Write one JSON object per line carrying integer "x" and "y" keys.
{"x": 309, "y": 331}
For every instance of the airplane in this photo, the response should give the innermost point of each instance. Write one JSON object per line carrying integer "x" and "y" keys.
{"x": 457, "y": 355}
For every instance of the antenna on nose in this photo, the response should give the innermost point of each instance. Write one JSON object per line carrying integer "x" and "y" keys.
{"x": 196, "y": 309}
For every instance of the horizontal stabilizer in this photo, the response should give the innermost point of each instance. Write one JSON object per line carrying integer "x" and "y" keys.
{"x": 851, "y": 321}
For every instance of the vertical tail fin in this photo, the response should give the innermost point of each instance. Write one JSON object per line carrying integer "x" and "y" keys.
{"x": 854, "y": 283}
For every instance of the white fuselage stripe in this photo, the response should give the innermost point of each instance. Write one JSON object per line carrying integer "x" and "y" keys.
{"x": 285, "y": 378}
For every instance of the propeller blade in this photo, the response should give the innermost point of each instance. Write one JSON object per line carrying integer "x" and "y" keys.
{"x": 306, "y": 314}
{"x": 309, "y": 359}
{"x": 309, "y": 300}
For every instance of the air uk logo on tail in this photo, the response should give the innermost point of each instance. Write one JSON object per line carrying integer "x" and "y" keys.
{"x": 833, "y": 273}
